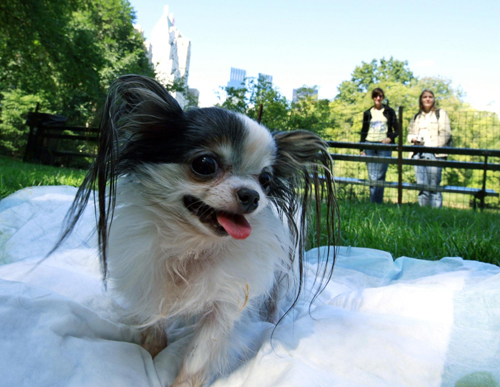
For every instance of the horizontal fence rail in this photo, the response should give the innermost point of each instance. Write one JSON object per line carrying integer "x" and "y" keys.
{"x": 51, "y": 141}
{"x": 415, "y": 148}
{"x": 477, "y": 193}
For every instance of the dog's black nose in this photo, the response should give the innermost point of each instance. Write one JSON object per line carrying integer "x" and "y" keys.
{"x": 249, "y": 199}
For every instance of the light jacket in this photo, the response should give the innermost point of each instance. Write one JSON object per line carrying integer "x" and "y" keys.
{"x": 439, "y": 131}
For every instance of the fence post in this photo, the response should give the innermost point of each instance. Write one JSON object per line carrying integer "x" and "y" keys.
{"x": 400, "y": 157}
{"x": 481, "y": 204}
{"x": 31, "y": 136}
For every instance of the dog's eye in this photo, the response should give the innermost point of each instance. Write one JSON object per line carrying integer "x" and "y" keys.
{"x": 205, "y": 165}
{"x": 265, "y": 180}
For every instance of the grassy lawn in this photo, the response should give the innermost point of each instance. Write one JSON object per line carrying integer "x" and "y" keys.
{"x": 422, "y": 232}
{"x": 15, "y": 175}
{"x": 406, "y": 230}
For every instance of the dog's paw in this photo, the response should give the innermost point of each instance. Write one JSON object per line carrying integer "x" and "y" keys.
{"x": 184, "y": 380}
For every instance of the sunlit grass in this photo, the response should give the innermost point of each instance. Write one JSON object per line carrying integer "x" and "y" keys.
{"x": 15, "y": 175}
{"x": 421, "y": 232}
{"x": 406, "y": 230}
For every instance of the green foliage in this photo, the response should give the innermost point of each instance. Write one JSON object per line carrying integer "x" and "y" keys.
{"x": 311, "y": 113}
{"x": 180, "y": 85}
{"x": 387, "y": 72}
{"x": 401, "y": 88}
{"x": 247, "y": 100}
{"x": 13, "y": 125}
{"x": 63, "y": 54}
{"x": 278, "y": 114}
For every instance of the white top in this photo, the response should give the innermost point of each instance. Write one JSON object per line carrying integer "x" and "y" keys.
{"x": 429, "y": 130}
{"x": 378, "y": 126}
{"x": 424, "y": 128}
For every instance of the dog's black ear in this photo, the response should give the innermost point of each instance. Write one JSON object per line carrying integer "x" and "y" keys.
{"x": 138, "y": 115}
{"x": 137, "y": 104}
{"x": 304, "y": 181}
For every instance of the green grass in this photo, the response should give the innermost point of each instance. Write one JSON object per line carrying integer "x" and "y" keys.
{"x": 15, "y": 175}
{"x": 406, "y": 230}
{"x": 421, "y": 232}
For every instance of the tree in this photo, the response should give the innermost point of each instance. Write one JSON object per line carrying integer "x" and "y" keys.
{"x": 311, "y": 113}
{"x": 363, "y": 78}
{"x": 63, "y": 54}
{"x": 247, "y": 100}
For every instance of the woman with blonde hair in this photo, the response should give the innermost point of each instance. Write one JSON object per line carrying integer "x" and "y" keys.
{"x": 429, "y": 127}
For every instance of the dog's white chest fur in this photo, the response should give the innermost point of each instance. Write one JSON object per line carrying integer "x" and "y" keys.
{"x": 163, "y": 274}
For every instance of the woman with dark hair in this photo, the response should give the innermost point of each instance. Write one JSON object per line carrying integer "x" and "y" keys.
{"x": 429, "y": 127}
{"x": 379, "y": 126}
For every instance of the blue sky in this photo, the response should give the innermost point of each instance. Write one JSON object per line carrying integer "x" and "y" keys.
{"x": 320, "y": 43}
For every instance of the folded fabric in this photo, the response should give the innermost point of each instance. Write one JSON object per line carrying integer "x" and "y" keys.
{"x": 379, "y": 322}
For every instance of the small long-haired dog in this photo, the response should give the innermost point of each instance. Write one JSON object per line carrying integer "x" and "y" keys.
{"x": 203, "y": 214}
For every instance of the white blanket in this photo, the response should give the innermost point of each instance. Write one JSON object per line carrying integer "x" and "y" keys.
{"x": 379, "y": 322}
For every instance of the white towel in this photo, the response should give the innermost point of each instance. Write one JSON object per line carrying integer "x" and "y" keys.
{"x": 379, "y": 322}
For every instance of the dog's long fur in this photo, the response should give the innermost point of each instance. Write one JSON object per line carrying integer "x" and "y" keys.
{"x": 171, "y": 186}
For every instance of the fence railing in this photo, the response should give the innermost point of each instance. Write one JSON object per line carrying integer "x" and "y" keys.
{"x": 50, "y": 139}
{"x": 478, "y": 193}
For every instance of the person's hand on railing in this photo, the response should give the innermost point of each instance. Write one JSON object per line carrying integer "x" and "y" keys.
{"x": 386, "y": 140}
{"x": 363, "y": 153}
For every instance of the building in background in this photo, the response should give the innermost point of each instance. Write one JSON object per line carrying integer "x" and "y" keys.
{"x": 266, "y": 78}
{"x": 237, "y": 78}
{"x": 303, "y": 92}
{"x": 170, "y": 55}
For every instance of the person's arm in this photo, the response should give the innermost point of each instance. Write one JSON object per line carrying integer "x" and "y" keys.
{"x": 444, "y": 128}
{"x": 364, "y": 129}
{"x": 393, "y": 127}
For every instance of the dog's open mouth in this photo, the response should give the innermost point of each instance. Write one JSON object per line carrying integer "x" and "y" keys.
{"x": 221, "y": 222}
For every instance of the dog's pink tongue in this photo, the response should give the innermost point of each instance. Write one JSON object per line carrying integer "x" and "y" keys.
{"x": 235, "y": 225}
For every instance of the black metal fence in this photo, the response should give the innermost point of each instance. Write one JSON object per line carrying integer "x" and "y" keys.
{"x": 470, "y": 174}
{"x": 52, "y": 142}
{"x": 470, "y": 177}
{"x": 355, "y": 185}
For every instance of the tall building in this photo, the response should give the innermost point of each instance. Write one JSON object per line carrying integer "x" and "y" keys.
{"x": 171, "y": 53}
{"x": 147, "y": 44}
{"x": 303, "y": 92}
{"x": 237, "y": 78}
{"x": 266, "y": 78}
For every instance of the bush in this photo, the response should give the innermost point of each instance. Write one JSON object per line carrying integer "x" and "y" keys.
{"x": 14, "y": 132}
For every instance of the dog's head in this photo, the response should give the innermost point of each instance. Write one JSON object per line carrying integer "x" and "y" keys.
{"x": 215, "y": 169}
{"x": 215, "y": 173}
